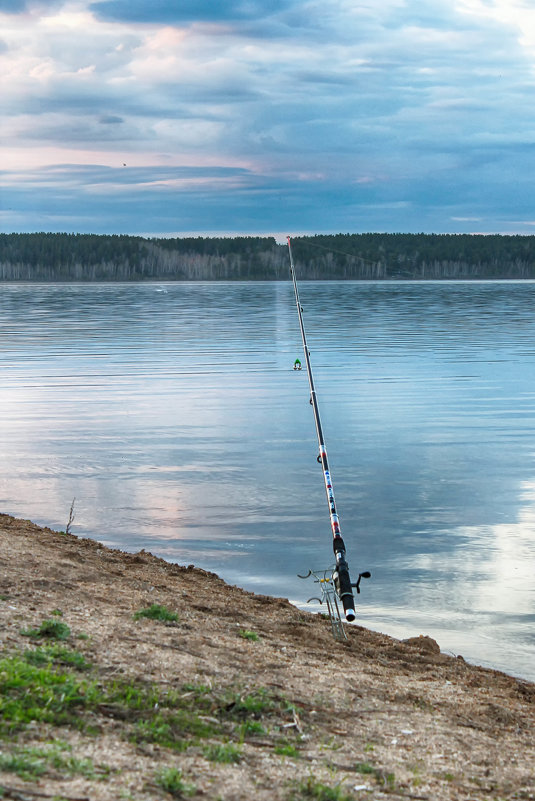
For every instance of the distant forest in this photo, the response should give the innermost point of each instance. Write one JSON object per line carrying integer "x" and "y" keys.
{"x": 91, "y": 257}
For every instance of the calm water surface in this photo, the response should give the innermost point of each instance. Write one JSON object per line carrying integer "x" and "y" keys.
{"x": 173, "y": 416}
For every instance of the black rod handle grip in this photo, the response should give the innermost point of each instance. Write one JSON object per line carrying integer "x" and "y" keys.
{"x": 345, "y": 591}
{"x": 342, "y": 580}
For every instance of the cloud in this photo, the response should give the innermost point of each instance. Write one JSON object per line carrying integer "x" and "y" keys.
{"x": 356, "y": 114}
{"x": 165, "y": 12}
{"x": 13, "y": 6}
{"x": 110, "y": 119}
{"x": 23, "y": 6}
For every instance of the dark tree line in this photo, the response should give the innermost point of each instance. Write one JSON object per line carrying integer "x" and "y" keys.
{"x": 91, "y": 257}
{"x": 417, "y": 256}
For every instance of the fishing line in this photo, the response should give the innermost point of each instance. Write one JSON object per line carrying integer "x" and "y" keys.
{"x": 307, "y": 242}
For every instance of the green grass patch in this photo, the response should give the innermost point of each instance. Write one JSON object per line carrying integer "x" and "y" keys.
{"x": 387, "y": 779}
{"x": 42, "y": 686}
{"x": 157, "y": 612}
{"x": 26, "y": 766}
{"x": 249, "y": 728}
{"x": 178, "y": 720}
{"x": 252, "y": 705}
{"x": 31, "y": 763}
{"x": 312, "y": 790}
{"x": 51, "y": 629}
{"x": 135, "y": 697}
{"x": 287, "y": 750}
{"x": 50, "y": 684}
{"x": 227, "y": 753}
{"x": 58, "y": 654}
{"x": 249, "y": 635}
{"x": 365, "y": 768}
{"x": 170, "y": 780}
{"x": 176, "y": 730}
{"x": 198, "y": 689}
{"x": 40, "y": 693}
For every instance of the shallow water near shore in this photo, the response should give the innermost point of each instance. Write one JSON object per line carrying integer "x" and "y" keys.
{"x": 172, "y": 414}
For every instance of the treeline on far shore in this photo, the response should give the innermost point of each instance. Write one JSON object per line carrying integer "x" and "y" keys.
{"x": 92, "y": 257}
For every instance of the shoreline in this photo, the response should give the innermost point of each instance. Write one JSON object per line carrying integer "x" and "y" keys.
{"x": 393, "y": 718}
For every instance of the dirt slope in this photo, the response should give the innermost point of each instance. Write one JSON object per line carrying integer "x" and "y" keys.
{"x": 242, "y": 697}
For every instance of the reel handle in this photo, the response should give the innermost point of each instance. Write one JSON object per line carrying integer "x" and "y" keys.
{"x": 366, "y": 574}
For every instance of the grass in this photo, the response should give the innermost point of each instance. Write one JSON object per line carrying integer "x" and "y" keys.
{"x": 286, "y": 749}
{"x": 386, "y": 779}
{"x": 31, "y": 763}
{"x": 42, "y": 686}
{"x": 41, "y": 693}
{"x": 227, "y": 753}
{"x": 176, "y": 730}
{"x": 27, "y": 766}
{"x": 250, "y": 728}
{"x": 365, "y": 768}
{"x": 249, "y": 635}
{"x": 179, "y": 720}
{"x": 312, "y": 790}
{"x": 54, "y": 684}
{"x": 157, "y": 612}
{"x": 50, "y": 629}
{"x": 170, "y": 780}
{"x": 254, "y": 704}
{"x": 200, "y": 689}
{"x": 50, "y": 654}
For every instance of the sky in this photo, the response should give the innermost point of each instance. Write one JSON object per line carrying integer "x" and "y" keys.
{"x": 227, "y": 117}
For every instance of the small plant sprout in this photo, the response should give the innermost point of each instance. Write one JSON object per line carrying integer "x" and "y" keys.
{"x": 71, "y": 518}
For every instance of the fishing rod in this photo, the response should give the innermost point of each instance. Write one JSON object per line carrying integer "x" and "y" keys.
{"x": 335, "y": 583}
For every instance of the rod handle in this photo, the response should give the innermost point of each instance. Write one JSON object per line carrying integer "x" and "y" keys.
{"x": 345, "y": 592}
{"x": 342, "y": 579}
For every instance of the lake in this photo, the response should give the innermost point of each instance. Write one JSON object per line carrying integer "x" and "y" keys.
{"x": 172, "y": 414}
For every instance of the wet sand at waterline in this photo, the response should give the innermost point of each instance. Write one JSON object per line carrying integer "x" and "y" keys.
{"x": 241, "y": 696}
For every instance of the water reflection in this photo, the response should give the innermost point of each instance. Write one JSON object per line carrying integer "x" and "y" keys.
{"x": 172, "y": 414}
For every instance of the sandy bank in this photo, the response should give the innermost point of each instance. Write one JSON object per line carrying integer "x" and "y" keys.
{"x": 245, "y": 694}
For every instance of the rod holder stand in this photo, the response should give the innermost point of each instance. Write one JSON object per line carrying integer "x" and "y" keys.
{"x": 329, "y": 597}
